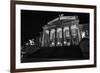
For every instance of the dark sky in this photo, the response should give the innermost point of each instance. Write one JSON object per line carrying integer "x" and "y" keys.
{"x": 32, "y": 21}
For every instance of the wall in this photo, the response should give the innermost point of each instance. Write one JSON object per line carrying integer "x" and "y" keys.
{"x": 5, "y": 36}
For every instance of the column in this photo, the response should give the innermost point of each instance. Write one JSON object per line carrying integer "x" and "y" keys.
{"x": 62, "y": 36}
{"x": 79, "y": 34}
{"x": 55, "y": 36}
{"x": 49, "y": 38}
{"x": 43, "y": 39}
{"x": 70, "y": 34}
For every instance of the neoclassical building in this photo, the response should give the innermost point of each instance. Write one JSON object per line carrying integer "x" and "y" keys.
{"x": 61, "y": 31}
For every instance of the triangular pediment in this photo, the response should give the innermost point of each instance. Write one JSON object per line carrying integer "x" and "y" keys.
{"x": 63, "y": 20}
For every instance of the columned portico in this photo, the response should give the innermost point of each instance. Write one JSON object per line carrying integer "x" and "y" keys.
{"x": 62, "y": 31}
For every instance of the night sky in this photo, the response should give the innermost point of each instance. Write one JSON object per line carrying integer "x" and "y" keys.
{"x": 32, "y": 21}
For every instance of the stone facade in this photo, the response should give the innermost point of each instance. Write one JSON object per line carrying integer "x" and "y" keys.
{"x": 62, "y": 31}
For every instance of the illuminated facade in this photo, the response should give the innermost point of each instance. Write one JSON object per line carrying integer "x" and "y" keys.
{"x": 62, "y": 31}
